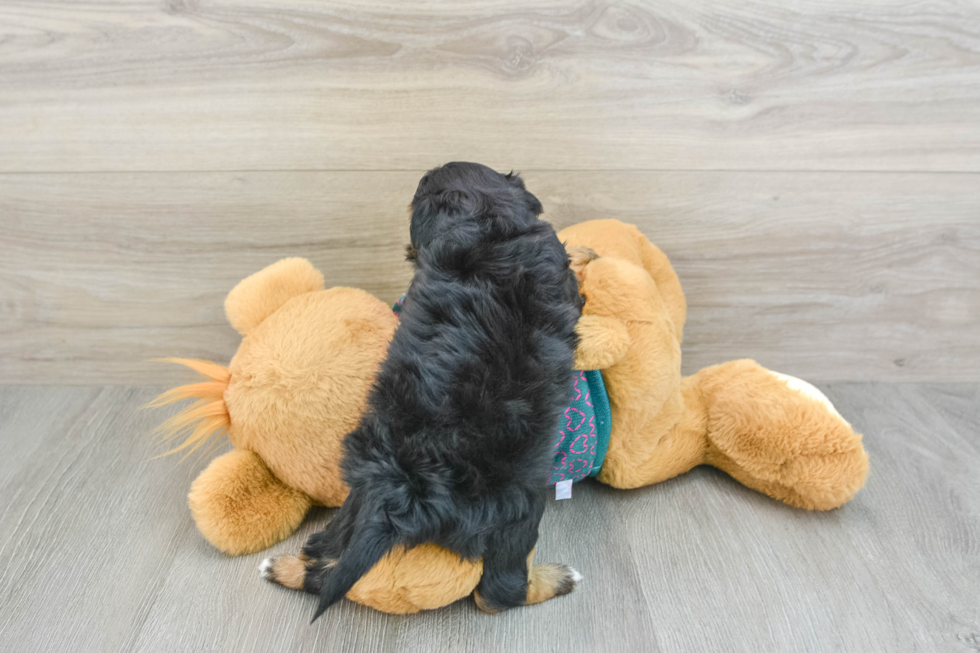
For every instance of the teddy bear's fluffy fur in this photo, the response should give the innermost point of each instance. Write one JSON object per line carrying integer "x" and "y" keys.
{"x": 757, "y": 425}
{"x": 300, "y": 378}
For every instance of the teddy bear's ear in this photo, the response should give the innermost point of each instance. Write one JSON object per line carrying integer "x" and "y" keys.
{"x": 260, "y": 295}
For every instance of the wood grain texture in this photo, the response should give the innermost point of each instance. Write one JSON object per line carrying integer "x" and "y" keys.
{"x": 100, "y": 553}
{"x": 819, "y": 275}
{"x": 295, "y": 84}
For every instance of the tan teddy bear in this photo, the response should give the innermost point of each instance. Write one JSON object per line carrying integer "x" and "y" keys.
{"x": 300, "y": 379}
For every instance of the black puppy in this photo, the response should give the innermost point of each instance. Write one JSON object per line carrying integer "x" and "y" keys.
{"x": 454, "y": 447}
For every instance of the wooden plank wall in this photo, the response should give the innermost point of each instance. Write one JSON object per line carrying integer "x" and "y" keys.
{"x": 812, "y": 168}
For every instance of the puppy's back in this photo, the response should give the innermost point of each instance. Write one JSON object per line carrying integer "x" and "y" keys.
{"x": 457, "y": 436}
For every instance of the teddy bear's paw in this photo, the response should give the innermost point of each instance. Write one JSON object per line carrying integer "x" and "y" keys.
{"x": 579, "y": 257}
{"x": 807, "y": 390}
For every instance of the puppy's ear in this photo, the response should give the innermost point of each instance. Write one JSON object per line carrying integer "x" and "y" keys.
{"x": 425, "y": 219}
{"x": 531, "y": 202}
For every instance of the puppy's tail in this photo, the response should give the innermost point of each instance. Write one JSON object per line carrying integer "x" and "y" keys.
{"x": 370, "y": 540}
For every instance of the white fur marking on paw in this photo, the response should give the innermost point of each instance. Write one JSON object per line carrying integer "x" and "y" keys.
{"x": 807, "y": 390}
{"x": 577, "y": 577}
{"x": 265, "y": 569}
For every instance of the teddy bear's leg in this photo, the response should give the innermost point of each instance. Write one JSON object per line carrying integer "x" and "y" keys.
{"x": 240, "y": 507}
{"x": 780, "y": 436}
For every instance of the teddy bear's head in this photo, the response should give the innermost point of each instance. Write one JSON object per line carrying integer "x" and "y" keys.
{"x": 300, "y": 378}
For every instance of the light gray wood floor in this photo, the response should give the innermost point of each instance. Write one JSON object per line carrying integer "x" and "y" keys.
{"x": 98, "y": 552}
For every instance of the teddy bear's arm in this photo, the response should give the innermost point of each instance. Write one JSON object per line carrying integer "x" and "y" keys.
{"x": 603, "y": 342}
{"x": 240, "y": 507}
{"x": 260, "y": 295}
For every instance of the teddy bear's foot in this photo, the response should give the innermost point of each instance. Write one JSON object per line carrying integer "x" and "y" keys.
{"x": 240, "y": 507}
{"x": 780, "y": 436}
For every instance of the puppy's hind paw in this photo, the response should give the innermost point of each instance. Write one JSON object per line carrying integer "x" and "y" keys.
{"x": 265, "y": 568}
{"x": 550, "y": 580}
{"x": 288, "y": 571}
{"x": 567, "y": 581}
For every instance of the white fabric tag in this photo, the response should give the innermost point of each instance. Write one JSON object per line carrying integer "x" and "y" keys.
{"x": 563, "y": 490}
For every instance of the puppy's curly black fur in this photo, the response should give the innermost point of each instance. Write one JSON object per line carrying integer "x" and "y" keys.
{"x": 455, "y": 445}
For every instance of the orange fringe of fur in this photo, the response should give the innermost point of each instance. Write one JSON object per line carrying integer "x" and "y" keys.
{"x": 203, "y": 418}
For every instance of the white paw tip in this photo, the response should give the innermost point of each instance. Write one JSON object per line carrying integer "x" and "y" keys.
{"x": 265, "y": 569}
{"x": 577, "y": 577}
